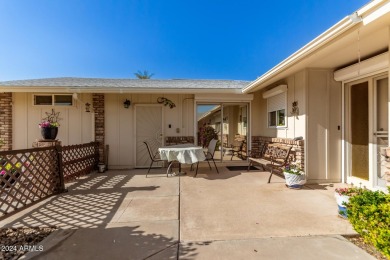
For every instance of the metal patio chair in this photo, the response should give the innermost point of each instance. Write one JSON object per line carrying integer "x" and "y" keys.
{"x": 153, "y": 157}
{"x": 209, "y": 155}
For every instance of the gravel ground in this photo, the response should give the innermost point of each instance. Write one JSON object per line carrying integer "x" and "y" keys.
{"x": 358, "y": 241}
{"x": 15, "y": 242}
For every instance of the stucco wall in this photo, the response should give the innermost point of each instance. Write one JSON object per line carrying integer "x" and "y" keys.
{"x": 119, "y": 123}
{"x": 75, "y": 124}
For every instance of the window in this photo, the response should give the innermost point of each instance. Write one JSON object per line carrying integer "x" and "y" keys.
{"x": 53, "y": 100}
{"x": 276, "y": 107}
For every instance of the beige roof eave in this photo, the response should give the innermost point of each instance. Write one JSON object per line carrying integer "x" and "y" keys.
{"x": 316, "y": 44}
{"x": 118, "y": 90}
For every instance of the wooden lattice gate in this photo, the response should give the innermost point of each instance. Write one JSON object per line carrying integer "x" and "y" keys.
{"x": 30, "y": 175}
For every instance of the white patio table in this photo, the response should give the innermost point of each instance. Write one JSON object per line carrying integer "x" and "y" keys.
{"x": 182, "y": 153}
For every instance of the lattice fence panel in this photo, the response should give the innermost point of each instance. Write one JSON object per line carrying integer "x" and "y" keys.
{"x": 78, "y": 160}
{"x": 27, "y": 176}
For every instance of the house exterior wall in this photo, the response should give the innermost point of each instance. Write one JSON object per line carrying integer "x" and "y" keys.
{"x": 75, "y": 124}
{"x": 295, "y": 124}
{"x": 6, "y": 121}
{"x": 323, "y": 161}
{"x": 318, "y": 122}
{"x": 119, "y": 123}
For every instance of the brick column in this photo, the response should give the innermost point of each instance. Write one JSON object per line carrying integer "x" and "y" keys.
{"x": 98, "y": 105}
{"x": 6, "y": 121}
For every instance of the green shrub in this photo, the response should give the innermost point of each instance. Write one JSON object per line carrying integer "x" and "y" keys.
{"x": 369, "y": 214}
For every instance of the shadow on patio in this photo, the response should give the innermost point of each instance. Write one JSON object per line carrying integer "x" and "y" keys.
{"x": 110, "y": 215}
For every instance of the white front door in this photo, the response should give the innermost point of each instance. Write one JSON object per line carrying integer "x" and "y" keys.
{"x": 148, "y": 127}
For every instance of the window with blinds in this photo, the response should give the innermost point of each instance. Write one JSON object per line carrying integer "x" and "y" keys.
{"x": 276, "y": 108}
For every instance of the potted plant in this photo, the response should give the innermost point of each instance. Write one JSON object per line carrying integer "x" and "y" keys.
{"x": 49, "y": 126}
{"x": 294, "y": 175}
{"x": 342, "y": 196}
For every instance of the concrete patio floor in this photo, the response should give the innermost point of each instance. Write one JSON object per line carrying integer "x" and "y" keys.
{"x": 232, "y": 215}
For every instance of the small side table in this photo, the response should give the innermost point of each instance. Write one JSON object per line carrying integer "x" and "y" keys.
{"x": 46, "y": 143}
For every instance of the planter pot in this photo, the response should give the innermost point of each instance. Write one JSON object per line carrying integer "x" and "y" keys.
{"x": 341, "y": 201}
{"x": 294, "y": 181}
{"x": 49, "y": 133}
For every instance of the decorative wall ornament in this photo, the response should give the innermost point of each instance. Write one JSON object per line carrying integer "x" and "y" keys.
{"x": 295, "y": 109}
{"x": 166, "y": 102}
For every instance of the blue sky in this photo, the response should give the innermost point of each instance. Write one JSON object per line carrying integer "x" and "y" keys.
{"x": 197, "y": 39}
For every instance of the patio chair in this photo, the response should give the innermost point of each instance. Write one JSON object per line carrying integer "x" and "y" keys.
{"x": 153, "y": 157}
{"x": 209, "y": 155}
{"x": 237, "y": 149}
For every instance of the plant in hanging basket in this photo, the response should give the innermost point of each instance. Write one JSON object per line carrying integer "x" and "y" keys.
{"x": 295, "y": 177}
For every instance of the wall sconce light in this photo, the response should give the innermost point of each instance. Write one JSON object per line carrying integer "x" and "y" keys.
{"x": 87, "y": 107}
{"x": 126, "y": 103}
{"x": 295, "y": 109}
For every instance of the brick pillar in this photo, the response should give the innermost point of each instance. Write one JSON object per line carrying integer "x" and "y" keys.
{"x": 6, "y": 121}
{"x": 98, "y": 105}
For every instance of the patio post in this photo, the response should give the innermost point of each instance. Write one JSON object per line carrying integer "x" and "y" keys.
{"x": 61, "y": 185}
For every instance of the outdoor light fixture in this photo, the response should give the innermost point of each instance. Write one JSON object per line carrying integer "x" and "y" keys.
{"x": 126, "y": 103}
{"x": 87, "y": 107}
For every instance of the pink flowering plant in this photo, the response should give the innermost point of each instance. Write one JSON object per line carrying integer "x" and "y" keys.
{"x": 351, "y": 191}
{"x": 48, "y": 124}
{"x": 51, "y": 120}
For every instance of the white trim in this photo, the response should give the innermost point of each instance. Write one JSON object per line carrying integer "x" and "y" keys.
{"x": 364, "y": 68}
{"x": 275, "y": 91}
{"x": 343, "y": 142}
{"x": 223, "y": 98}
{"x": 377, "y": 13}
{"x": 53, "y": 104}
{"x": 120, "y": 90}
{"x": 329, "y": 35}
{"x": 339, "y": 28}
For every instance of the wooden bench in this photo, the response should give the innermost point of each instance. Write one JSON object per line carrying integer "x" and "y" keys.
{"x": 271, "y": 155}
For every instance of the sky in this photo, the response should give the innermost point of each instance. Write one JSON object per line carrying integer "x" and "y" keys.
{"x": 174, "y": 39}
